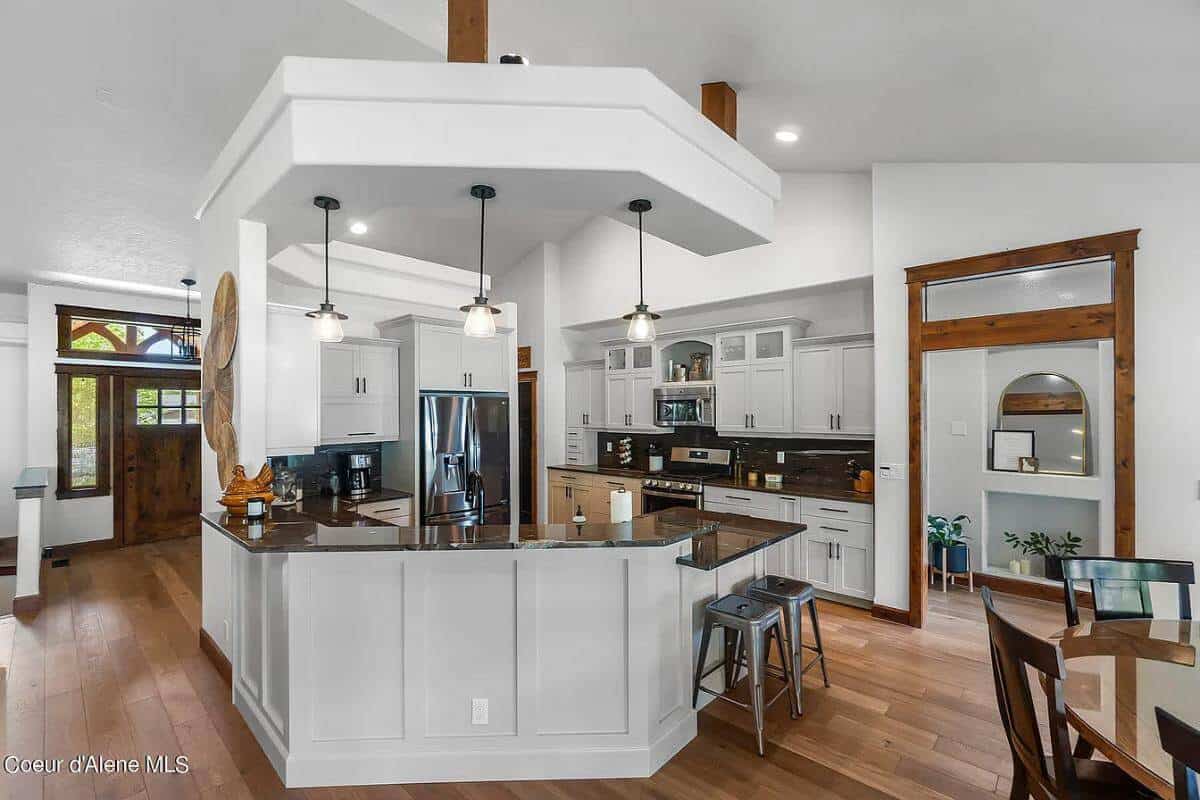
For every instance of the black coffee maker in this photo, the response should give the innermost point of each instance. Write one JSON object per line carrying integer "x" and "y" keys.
{"x": 357, "y": 472}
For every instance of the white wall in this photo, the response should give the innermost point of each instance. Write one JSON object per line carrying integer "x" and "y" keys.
{"x": 822, "y": 235}
{"x": 931, "y": 212}
{"x": 13, "y": 342}
{"x": 86, "y": 518}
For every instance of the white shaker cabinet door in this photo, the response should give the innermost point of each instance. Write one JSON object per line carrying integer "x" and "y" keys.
{"x": 377, "y": 370}
{"x": 816, "y": 559}
{"x": 641, "y": 400}
{"x": 484, "y": 362}
{"x": 857, "y": 389}
{"x": 733, "y": 408}
{"x": 339, "y": 372}
{"x": 814, "y": 390}
{"x": 617, "y": 401}
{"x": 293, "y": 384}
{"x": 577, "y": 396}
{"x": 594, "y": 406}
{"x": 441, "y": 358}
{"x": 770, "y": 402}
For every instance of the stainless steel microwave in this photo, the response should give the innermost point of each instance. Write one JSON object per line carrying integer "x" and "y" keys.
{"x": 676, "y": 406}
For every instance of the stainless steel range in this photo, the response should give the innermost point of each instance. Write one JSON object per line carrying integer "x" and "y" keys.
{"x": 682, "y": 484}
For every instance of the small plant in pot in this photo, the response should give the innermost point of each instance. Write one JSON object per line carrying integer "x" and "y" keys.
{"x": 947, "y": 535}
{"x": 1053, "y": 550}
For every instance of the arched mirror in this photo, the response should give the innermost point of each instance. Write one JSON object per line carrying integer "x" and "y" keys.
{"x": 1054, "y": 409}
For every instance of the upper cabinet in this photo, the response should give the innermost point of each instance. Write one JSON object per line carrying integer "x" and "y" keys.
{"x": 359, "y": 393}
{"x": 753, "y": 377}
{"x": 293, "y": 383}
{"x": 630, "y": 358}
{"x": 834, "y": 388}
{"x": 629, "y": 380}
{"x": 451, "y": 361}
{"x": 585, "y": 395}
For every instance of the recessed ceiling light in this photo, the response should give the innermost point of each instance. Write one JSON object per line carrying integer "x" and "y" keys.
{"x": 786, "y": 136}
{"x": 358, "y": 228}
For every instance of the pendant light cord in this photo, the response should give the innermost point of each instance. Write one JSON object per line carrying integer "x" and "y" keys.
{"x": 482, "y": 214}
{"x": 641, "y": 288}
{"x": 326, "y": 255}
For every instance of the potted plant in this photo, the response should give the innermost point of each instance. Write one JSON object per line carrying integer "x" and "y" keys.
{"x": 947, "y": 535}
{"x": 1019, "y": 566}
{"x": 1053, "y": 550}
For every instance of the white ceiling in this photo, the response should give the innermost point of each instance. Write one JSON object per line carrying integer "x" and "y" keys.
{"x": 114, "y": 110}
{"x": 918, "y": 80}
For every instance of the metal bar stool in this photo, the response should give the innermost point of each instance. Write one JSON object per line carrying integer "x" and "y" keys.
{"x": 751, "y": 624}
{"x": 791, "y": 595}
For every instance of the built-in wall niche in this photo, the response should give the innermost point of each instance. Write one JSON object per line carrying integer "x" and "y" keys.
{"x": 1050, "y": 412}
{"x": 695, "y": 356}
{"x": 1020, "y": 513}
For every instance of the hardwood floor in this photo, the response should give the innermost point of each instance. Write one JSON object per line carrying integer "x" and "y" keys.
{"x": 111, "y": 665}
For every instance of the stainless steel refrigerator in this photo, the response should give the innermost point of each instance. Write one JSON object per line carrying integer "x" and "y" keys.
{"x": 464, "y": 459}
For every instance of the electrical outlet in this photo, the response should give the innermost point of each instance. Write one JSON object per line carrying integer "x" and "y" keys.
{"x": 780, "y": 457}
{"x": 479, "y": 711}
{"x": 608, "y": 447}
{"x": 893, "y": 472}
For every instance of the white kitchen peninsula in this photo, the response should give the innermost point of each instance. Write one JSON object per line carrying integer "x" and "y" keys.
{"x": 365, "y": 653}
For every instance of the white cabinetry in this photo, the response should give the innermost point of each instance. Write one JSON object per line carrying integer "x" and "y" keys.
{"x": 753, "y": 376}
{"x": 837, "y": 551}
{"x": 629, "y": 388}
{"x": 451, "y": 361}
{"x": 833, "y": 387}
{"x": 359, "y": 393}
{"x": 293, "y": 383}
{"x": 585, "y": 395}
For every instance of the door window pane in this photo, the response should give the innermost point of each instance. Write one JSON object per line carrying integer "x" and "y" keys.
{"x": 191, "y": 416}
{"x": 172, "y": 416}
{"x": 147, "y": 397}
{"x": 1082, "y": 283}
{"x": 191, "y": 397}
{"x": 147, "y": 416}
{"x": 84, "y": 408}
{"x": 172, "y": 397}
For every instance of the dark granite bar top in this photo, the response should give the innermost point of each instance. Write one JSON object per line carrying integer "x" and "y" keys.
{"x": 380, "y": 496}
{"x": 800, "y": 487}
{"x": 334, "y": 526}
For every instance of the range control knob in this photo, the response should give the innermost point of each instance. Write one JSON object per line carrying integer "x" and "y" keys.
{"x": 650, "y": 483}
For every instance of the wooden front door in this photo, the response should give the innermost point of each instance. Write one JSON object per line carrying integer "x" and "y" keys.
{"x": 159, "y": 433}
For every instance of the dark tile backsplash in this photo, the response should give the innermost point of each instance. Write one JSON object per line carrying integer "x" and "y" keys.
{"x": 327, "y": 458}
{"x": 808, "y": 459}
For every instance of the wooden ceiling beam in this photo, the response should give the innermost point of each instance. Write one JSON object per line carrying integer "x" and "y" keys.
{"x": 718, "y": 102}
{"x": 467, "y": 31}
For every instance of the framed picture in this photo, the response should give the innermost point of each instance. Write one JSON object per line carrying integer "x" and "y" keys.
{"x": 1009, "y": 447}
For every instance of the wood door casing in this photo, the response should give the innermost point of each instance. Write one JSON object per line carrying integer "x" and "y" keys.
{"x": 159, "y": 477}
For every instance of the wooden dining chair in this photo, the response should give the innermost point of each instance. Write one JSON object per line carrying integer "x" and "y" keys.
{"x": 1182, "y": 741}
{"x": 1059, "y": 775}
{"x": 1121, "y": 586}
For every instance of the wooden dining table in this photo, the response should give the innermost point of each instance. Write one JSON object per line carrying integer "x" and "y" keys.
{"x": 1117, "y": 672}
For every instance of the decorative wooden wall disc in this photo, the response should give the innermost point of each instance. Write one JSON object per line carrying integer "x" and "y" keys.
{"x": 216, "y": 396}
{"x": 227, "y": 449}
{"x": 223, "y": 329}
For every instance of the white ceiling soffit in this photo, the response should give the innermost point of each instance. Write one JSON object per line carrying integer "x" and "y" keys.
{"x": 584, "y": 141}
{"x": 363, "y": 270}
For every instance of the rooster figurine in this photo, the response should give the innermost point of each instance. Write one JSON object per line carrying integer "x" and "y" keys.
{"x": 241, "y": 489}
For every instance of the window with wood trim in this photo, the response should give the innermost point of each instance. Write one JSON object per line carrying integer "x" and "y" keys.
{"x": 84, "y": 438}
{"x": 121, "y": 335}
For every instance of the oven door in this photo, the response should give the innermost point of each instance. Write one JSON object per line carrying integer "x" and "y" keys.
{"x": 655, "y": 500}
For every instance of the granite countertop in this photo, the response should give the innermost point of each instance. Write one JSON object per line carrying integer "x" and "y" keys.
{"x": 596, "y": 469}
{"x": 797, "y": 486}
{"x": 333, "y": 526}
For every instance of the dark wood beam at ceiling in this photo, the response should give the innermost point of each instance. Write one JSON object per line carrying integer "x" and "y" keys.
{"x": 467, "y": 31}
{"x": 718, "y": 102}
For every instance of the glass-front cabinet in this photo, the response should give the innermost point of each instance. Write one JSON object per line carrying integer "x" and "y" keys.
{"x": 622, "y": 358}
{"x": 731, "y": 348}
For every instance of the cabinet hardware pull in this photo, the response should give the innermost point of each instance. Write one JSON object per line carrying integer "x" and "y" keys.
{"x": 464, "y": 379}
{"x": 839, "y": 421}
{"x": 829, "y": 547}
{"x": 835, "y": 510}
{"x": 736, "y": 497}
{"x": 826, "y": 528}
{"x": 839, "y": 551}
{"x": 364, "y": 433}
{"x": 831, "y": 422}
{"x": 471, "y": 379}
{"x": 752, "y": 423}
{"x": 746, "y": 422}
{"x": 364, "y": 385}
{"x": 356, "y": 385}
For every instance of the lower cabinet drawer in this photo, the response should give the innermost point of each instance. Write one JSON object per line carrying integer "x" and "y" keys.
{"x": 836, "y": 509}
{"x": 385, "y": 508}
{"x": 755, "y": 504}
{"x": 848, "y": 532}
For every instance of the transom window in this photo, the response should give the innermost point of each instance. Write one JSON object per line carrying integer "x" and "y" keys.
{"x": 161, "y": 406}
{"x": 120, "y": 335}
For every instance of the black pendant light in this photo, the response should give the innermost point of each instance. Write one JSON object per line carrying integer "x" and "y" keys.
{"x": 185, "y": 335}
{"x": 641, "y": 320}
{"x": 327, "y": 323}
{"x": 481, "y": 317}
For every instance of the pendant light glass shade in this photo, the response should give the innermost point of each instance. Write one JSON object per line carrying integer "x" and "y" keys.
{"x": 641, "y": 321}
{"x": 327, "y": 323}
{"x": 481, "y": 316}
